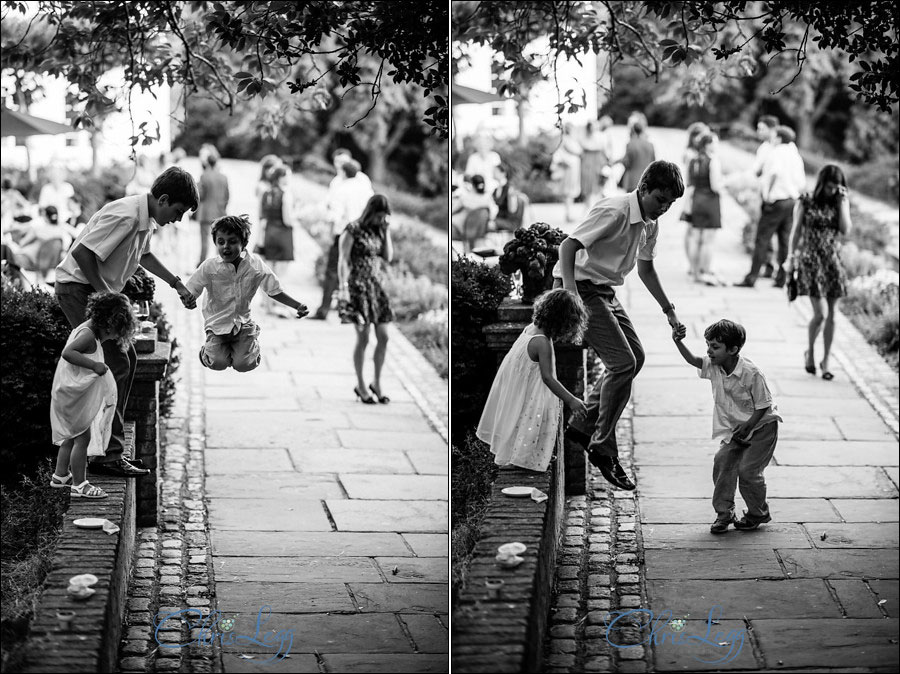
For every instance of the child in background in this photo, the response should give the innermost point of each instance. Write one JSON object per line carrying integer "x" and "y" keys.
{"x": 744, "y": 417}
{"x": 231, "y": 280}
{"x": 83, "y": 397}
{"x": 523, "y": 412}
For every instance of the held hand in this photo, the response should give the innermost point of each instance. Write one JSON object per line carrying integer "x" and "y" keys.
{"x": 302, "y": 310}
{"x": 673, "y": 319}
{"x": 99, "y": 368}
{"x": 188, "y": 300}
{"x": 679, "y": 332}
{"x": 579, "y": 411}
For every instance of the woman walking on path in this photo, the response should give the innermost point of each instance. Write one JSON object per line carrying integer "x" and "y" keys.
{"x": 820, "y": 219}
{"x": 639, "y": 152}
{"x": 83, "y": 397}
{"x": 565, "y": 167}
{"x": 277, "y": 219}
{"x": 594, "y": 159}
{"x": 705, "y": 176}
{"x": 363, "y": 301}
{"x": 693, "y": 132}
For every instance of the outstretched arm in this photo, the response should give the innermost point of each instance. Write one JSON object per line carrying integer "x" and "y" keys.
{"x": 649, "y": 277}
{"x": 542, "y": 350}
{"x": 152, "y": 264}
{"x": 567, "y": 250}
{"x": 678, "y": 334}
{"x": 289, "y": 301}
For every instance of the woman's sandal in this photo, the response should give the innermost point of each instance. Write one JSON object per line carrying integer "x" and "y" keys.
{"x": 384, "y": 400}
{"x": 87, "y": 490}
{"x": 367, "y": 399}
{"x": 58, "y": 482}
{"x": 809, "y": 368}
{"x": 826, "y": 375}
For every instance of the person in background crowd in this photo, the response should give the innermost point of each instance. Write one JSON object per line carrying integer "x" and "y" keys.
{"x": 277, "y": 218}
{"x": 693, "y": 132}
{"x": 765, "y": 131}
{"x": 60, "y": 194}
{"x": 595, "y": 157}
{"x": 483, "y": 162}
{"x": 705, "y": 176}
{"x": 639, "y": 153}
{"x": 565, "y": 168}
{"x": 213, "y": 187}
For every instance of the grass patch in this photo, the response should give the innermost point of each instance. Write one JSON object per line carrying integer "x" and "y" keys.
{"x": 32, "y": 518}
{"x": 432, "y": 339}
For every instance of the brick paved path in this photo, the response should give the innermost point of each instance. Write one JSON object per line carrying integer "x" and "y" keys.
{"x": 816, "y": 588}
{"x": 331, "y": 513}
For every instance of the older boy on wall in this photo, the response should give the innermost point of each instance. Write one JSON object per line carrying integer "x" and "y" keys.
{"x": 595, "y": 258}
{"x": 103, "y": 257}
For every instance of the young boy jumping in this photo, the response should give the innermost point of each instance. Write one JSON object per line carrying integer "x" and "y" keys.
{"x": 596, "y": 256}
{"x": 231, "y": 280}
{"x": 744, "y": 417}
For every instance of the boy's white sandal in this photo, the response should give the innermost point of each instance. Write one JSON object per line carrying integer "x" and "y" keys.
{"x": 58, "y": 482}
{"x": 87, "y": 490}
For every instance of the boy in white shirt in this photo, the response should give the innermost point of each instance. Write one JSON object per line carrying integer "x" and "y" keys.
{"x": 744, "y": 417}
{"x": 231, "y": 280}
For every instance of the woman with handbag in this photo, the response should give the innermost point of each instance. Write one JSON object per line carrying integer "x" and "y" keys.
{"x": 277, "y": 219}
{"x": 693, "y": 132}
{"x": 820, "y": 220}
{"x": 705, "y": 178}
{"x": 365, "y": 246}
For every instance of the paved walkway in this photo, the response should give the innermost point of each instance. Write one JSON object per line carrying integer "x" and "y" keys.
{"x": 816, "y": 588}
{"x": 331, "y": 513}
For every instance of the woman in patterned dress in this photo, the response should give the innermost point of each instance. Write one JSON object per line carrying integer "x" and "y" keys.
{"x": 820, "y": 220}
{"x": 365, "y": 245}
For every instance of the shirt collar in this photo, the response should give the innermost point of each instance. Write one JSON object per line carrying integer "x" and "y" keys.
{"x": 634, "y": 210}
{"x": 145, "y": 222}
{"x": 738, "y": 368}
{"x": 220, "y": 262}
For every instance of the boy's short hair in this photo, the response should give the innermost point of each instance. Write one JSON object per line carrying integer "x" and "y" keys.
{"x": 727, "y": 332}
{"x": 770, "y": 121}
{"x": 179, "y": 185}
{"x": 350, "y": 168}
{"x": 561, "y": 314}
{"x": 785, "y": 134}
{"x": 233, "y": 224}
{"x": 663, "y": 175}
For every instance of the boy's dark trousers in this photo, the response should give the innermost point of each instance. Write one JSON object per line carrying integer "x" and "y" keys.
{"x": 735, "y": 468}
{"x": 329, "y": 285}
{"x": 613, "y": 338}
{"x": 72, "y": 298}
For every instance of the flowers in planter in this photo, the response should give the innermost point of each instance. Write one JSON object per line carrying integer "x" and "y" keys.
{"x": 533, "y": 251}
{"x": 140, "y": 287}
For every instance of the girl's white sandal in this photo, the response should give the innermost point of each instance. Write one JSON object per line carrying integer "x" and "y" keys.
{"x": 87, "y": 490}
{"x": 58, "y": 482}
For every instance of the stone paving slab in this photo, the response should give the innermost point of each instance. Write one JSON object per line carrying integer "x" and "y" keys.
{"x": 659, "y": 429}
{"x": 247, "y": 597}
{"x": 838, "y": 408}
{"x": 856, "y": 535}
{"x": 868, "y": 510}
{"x": 387, "y": 664}
{"x": 837, "y": 453}
{"x": 340, "y": 387}
{"x": 394, "y": 439}
{"x": 887, "y": 590}
{"x": 754, "y": 599}
{"x": 687, "y": 453}
{"x": 279, "y": 513}
{"x": 401, "y": 516}
{"x": 323, "y": 634}
{"x": 414, "y": 569}
{"x": 717, "y": 564}
{"x": 401, "y": 597}
{"x": 863, "y": 427}
{"x": 294, "y": 664}
{"x": 841, "y": 481}
{"x": 428, "y": 462}
{"x": 893, "y": 473}
{"x": 840, "y": 643}
{"x": 403, "y": 415}
{"x": 267, "y": 429}
{"x": 677, "y": 652}
{"x": 675, "y": 536}
{"x": 429, "y": 633}
{"x": 292, "y": 570}
{"x": 308, "y": 543}
{"x": 281, "y": 403}
{"x": 700, "y": 511}
{"x": 840, "y": 563}
{"x": 676, "y": 398}
{"x": 311, "y": 460}
{"x": 413, "y": 487}
{"x": 857, "y": 599}
{"x": 272, "y": 485}
{"x": 428, "y": 545}
{"x": 235, "y": 461}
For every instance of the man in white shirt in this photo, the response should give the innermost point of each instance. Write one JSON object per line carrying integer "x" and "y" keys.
{"x": 765, "y": 130}
{"x": 348, "y": 194}
{"x": 483, "y": 162}
{"x": 783, "y": 179}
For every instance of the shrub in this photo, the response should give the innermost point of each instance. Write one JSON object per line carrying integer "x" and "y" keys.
{"x": 873, "y": 305}
{"x": 413, "y": 295}
{"x": 33, "y": 332}
{"x": 429, "y": 334}
{"x": 167, "y": 385}
{"x": 417, "y": 253}
{"x": 476, "y": 291}
{"x": 93, "y": 192}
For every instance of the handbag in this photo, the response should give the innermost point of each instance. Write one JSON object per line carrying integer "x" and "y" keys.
{"x": 791, "y": 286}
{"x": 687, "y": 210}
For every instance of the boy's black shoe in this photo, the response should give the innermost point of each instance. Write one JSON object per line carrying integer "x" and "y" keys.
{"x": 120, "y": 468}
{"x": 750, "y": 522}
{"x": 578, "y": 437}
{"x": 611, "y": 470}
{"x": 720, "y": 526}
{"x": 746, "y": 283}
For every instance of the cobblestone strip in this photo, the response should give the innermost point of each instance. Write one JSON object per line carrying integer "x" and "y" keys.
{"x": 173, "y": 568}
{"x": 599, "y": 573}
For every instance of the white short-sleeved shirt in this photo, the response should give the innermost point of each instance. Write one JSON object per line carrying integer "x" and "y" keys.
{"x": 737, "y": 396}
{"x": 347, "y": 199}
{"x": 229, "y": 290}
{"x": 119, "y": 235}
{"x": 614, "y": 235}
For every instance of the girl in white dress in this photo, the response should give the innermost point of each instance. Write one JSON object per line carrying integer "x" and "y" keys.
{"x": 523, "y": 412}
{"x": 83, "y": 397}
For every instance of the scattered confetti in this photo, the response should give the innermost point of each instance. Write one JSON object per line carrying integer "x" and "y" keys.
{"x": 823, "y": 537}
{"x": 395, "y": 570}
{"x": 883, "y": 601}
